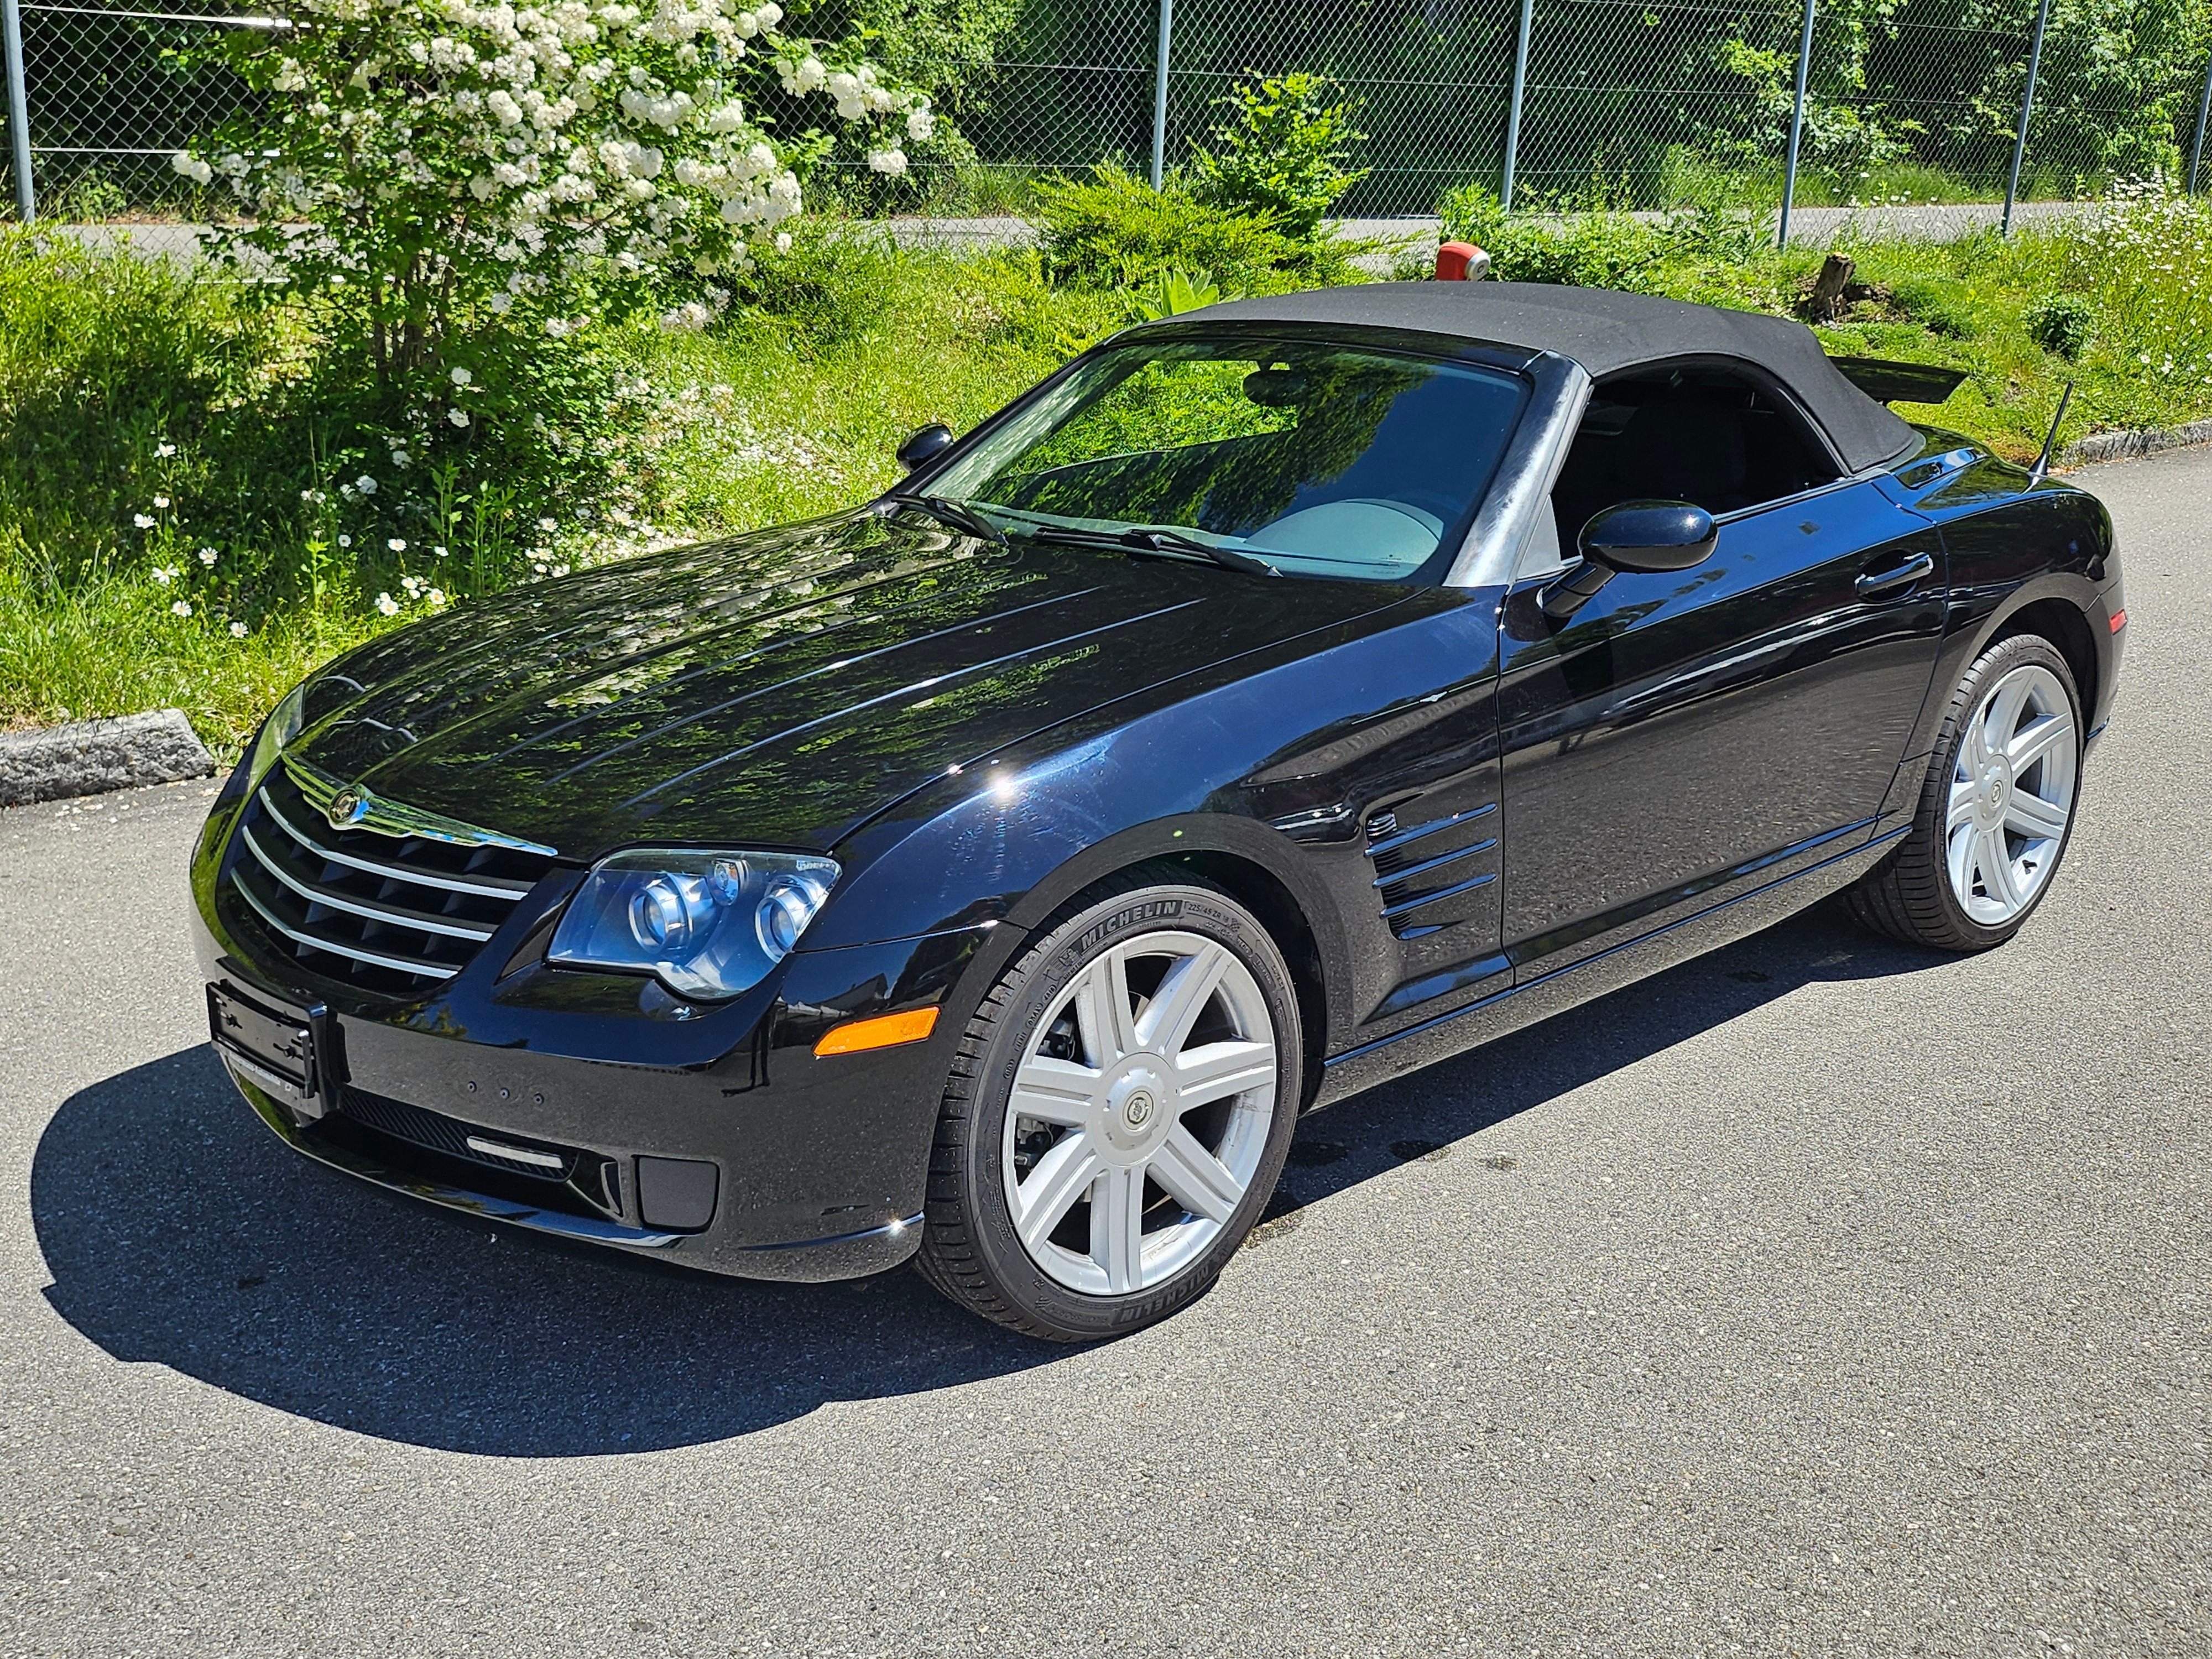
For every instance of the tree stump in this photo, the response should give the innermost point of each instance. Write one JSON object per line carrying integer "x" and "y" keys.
{"x": 1828, "y": 288}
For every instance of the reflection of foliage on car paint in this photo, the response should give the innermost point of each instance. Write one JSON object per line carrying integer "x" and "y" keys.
{"x": 1240, "y": 465}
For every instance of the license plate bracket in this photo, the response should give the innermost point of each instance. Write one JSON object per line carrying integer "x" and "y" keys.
{"x": 273, "y": 1046}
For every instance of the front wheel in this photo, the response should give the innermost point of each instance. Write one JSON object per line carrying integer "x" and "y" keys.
{"x": 1997, "y": 811}
{"x": 1117, "y": 1114}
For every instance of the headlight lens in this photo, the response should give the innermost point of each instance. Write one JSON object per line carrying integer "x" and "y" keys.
{"x": 279, "y": 729}
{"x": 706, "y": 924}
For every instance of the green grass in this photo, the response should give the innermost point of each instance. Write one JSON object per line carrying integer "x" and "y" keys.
{"x": 792, "y": 405}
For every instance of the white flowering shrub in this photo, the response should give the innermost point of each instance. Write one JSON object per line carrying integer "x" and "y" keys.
{"x": 424, "y": 169}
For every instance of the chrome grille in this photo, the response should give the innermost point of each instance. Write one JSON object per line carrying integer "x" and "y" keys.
{"x": 397, "y": 905}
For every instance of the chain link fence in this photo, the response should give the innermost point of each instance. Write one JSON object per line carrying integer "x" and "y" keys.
{"x": 1646, "y": 103}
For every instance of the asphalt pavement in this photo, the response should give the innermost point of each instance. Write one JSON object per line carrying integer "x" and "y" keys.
{"x": 1821, "y": 1296}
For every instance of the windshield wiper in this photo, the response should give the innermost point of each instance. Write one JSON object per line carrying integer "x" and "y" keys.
{"x": 958, "y": 515}
{"x": 1154, "y": 541}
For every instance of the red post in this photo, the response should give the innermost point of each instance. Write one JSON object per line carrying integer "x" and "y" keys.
{"x": 1460, "y": 262}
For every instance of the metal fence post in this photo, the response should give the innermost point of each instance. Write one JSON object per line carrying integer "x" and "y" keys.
{"x": 1513, "y": 104}
{"x": 1159, "y": 95}
{"x": 19, "y": 117}
{"x": 2204, "y": 110}
{"x": 1797, "y": 126}
{"x": 2026, "y": 108}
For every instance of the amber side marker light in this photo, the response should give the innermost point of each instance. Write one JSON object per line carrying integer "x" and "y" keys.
{"x": 884, "y": 1031}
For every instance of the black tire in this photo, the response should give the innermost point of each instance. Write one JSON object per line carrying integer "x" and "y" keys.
{"x": 970, "y": 1250}
{"x": 1908, "y": 895}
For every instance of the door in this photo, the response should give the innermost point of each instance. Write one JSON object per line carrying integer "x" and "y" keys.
{"x": 1686, "y": 737}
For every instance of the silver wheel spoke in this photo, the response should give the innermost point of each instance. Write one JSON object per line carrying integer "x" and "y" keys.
{"x": 1117, "y": 1227}
{"x": 1062, "y": 1175}
{"x": 1973, "y": 747}
{"x": 1996, "y": 864}
{"x": 2037, "y": 740}
{"x": 1959, "y": 855}
{"x": 1206, "y": 1074}
{"x": 1054, "y": 1091}
{"x": 1195, "y": 1178}
{"x": 1103, "y": 1012}
{"x": 1965, "y": 792}
{"x": 1183, "y": 996}
{"x": 2005, "y": 705}
{"x": 2037, "y": 819}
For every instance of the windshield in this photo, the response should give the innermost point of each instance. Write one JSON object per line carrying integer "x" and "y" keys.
{"x": 1309, "y": 459}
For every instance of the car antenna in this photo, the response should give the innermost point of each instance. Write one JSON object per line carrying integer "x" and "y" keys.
{"x": 2050, "y": 438}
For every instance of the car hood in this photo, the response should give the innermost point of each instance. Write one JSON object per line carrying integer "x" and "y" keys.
{"x": 777, "y": 689}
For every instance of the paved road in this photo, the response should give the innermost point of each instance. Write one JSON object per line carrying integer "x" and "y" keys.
{"x": 1811, "y": 227}
{"x": 1819, "y": 1297}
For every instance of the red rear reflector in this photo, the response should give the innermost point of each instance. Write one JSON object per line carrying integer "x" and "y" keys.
{"x": 2119, "y": 620}
{"x": 884, "y": 1031}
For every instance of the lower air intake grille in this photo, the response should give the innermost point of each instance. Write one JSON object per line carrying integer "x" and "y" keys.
{"x": 393, "y": 913}
{"x": 439, "y": 1133}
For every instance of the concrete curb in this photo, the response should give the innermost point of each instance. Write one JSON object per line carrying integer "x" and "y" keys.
{"x": 2128, "y": 446}
{"x": 90, "y": 757}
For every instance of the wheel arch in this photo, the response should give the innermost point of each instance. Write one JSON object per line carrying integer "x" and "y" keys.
{"x": 2064, "y": 624}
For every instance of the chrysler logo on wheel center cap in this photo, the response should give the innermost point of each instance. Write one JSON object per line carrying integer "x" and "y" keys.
{"x": 1137, "y": 1109}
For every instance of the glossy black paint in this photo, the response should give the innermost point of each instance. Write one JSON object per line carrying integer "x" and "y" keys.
{"x": 1457, "y": 813}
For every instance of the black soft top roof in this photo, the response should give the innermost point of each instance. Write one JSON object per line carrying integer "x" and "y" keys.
{"x": 1605, "y": 332}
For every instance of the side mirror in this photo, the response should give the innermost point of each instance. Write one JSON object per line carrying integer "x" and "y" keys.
{"x": 1642, "y": 537}
{"x": 926, "y": 445}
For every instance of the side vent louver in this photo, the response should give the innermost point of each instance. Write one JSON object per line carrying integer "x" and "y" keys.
{"x": 1420, "y": 870}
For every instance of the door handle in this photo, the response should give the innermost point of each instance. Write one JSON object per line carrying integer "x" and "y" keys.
{"x": 1875, "y": 582}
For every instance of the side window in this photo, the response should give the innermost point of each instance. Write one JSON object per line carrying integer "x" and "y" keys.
{"x": 1698, "y": 435}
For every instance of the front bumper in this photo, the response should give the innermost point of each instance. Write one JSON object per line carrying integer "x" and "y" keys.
{"x": 819, "y": 1166}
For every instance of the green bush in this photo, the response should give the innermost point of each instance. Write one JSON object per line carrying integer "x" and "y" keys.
{"x": 1112, "y": 230}
{"x": 2064, "y": 323}
{"x": 1581, "y": 250}
{"x": 1282, "y": 154}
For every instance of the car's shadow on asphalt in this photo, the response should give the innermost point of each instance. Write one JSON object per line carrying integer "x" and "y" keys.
{"x": 178, "y": 1231}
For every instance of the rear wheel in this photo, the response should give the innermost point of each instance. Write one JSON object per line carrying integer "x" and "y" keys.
{"x": 1117, "y": 1115}
{"x": 1996, "y": 810}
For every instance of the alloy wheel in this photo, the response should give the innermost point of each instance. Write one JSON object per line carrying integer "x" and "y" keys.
{"x": 1139, "y": 1113}
{"x": 2011, "y": 794}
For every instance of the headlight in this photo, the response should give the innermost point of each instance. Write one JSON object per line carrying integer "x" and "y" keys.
{"x": 705, "y": 924}
{"x": 279, "y": 729}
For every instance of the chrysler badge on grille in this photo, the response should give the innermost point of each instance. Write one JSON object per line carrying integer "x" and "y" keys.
{"x": 347, "y": 808}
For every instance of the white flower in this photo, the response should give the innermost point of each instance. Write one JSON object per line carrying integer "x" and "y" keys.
{"x": 461, "y": 376}
{"x": 208, "y": 556}
{"x": 238, "y": 630}
{"x": 437, "y": 597}
{"x": 387, "y": 605}
{"x": 500, "y": 302}
{"x": 892, "y": 162}
{"x": 198, "y": 171}
{"x": 397, "y": 544}
{"x": 458, "y": 416}
{"x": 142, "y": 521}
{"x": 161, "y": 574}
{"x": 181, "y": 608}
{"x": 160, "y": 502}
{"x": 438, "y": 552}
{"x": 401, "y": 458}
{"x": 365, "y": 484}
{"x": 920, "y": 124}
{"x": 413, "y": 585}
{"x": 345, "y": 541}
{"x": 548, "y": 526}
{"x": 164, "y": 451}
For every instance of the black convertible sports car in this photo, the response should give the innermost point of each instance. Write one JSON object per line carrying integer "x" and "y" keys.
{"x": 1277, "y": 698}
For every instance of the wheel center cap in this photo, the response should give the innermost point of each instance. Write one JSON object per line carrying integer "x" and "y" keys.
{"x": 1997, "y": 788}
{"x": 1137, "y": 1108}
